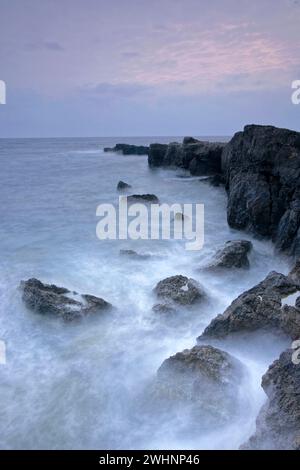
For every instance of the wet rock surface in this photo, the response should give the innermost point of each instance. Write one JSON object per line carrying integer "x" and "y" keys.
{"x": 262, "y": 168}
{"x": 257, "y": 308}
{"x": 47, "y": 299}
{"x": 204, "y": 377}
{"x": 278, "y": 423}
{"x": 180, "y": 289}
{"x": 233, "y": 255}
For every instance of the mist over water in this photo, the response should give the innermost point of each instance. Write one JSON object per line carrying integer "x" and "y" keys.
{"x": 84, "y": 385}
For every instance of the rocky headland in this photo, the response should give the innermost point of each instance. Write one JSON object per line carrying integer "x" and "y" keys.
{"x": 260, "y": 168}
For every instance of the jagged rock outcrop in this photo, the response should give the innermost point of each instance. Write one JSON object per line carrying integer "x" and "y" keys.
{"x": 180, "y": 289}
{"x": 200, "y": 158}
{"x": 257, "y": 308}
{"x": 278, "y": 424}
{"x": 47, "y": 299}
{"x": 128, "y": 149}
{"x": 233, "y": 255}
{"x": 262, "y": 171}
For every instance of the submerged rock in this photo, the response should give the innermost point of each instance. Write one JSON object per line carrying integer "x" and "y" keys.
{"x": 257, "y": 308}
{"x": 128, "y": 149}
{"x": 164, "y": 308}
{"x": 278, "y": 423}
{"x": 233, "y": 255}
{"x": 204, "y": 377}
{"x": 122, "y": 186}
{"x": 133, "y": 254}
{"x": 180, "y": 289}
{"x": 47, "y": 299}
{"x": 143, "y": 197}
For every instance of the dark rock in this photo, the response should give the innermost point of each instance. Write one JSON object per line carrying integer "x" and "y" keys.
{"x": 200, "y": 158}
{"x": 157, "y": 154}
{"x": 122, "y": 186}
{"x": 257, "y": 308}
{"x": 233, "y": 255}
{"x": 262, "y": 169}
{"x": 297, "y": 304}
{"x": 190, "y": 140}
{"x": 216, "y": 180}
{"x": 143, "y": 198}
{"x": 180, "y": 290}
{"x": 128, "y": 149}
{"x": 290, "y": 321}
{"x": 48, "y": 299}
{"x": 203, "y": 376}
{"x": 204, "y": 158}
{"x": 295, "y": 272}
{"x": 278, "y": 424}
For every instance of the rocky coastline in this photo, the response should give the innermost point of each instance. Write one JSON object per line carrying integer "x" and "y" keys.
{"x": 260, "y": 168}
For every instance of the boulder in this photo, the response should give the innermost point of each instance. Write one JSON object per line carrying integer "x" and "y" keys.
{"x": 278, "y": 423}
{"x": 204, "y": 377}
{"x": 122, "y": 186}
{"x": 128, "y": 149}
{"x": 233, "y": 255}
{"x": 180, "y": 289}
{"x": 262, "y": 169}
{"x": 47, "y": 299}
{"x": 257, "y": 308}
{"x": 143, "y": 198}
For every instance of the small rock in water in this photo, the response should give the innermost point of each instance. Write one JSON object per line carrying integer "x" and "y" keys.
{"x": 122, "y": 186}
{"x": 143, "y": 197}
{"x": 233, "y": 255}
{"x": 180, "y": 290}
{"x": 47, "y": 299}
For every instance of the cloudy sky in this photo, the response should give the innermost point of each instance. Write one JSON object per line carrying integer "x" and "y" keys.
{"x": 147, "y": 67}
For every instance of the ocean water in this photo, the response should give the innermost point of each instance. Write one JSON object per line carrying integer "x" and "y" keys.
{"x": 83, "y": 385}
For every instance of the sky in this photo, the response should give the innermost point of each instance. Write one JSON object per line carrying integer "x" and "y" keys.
{"x": 147, "y": 67}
